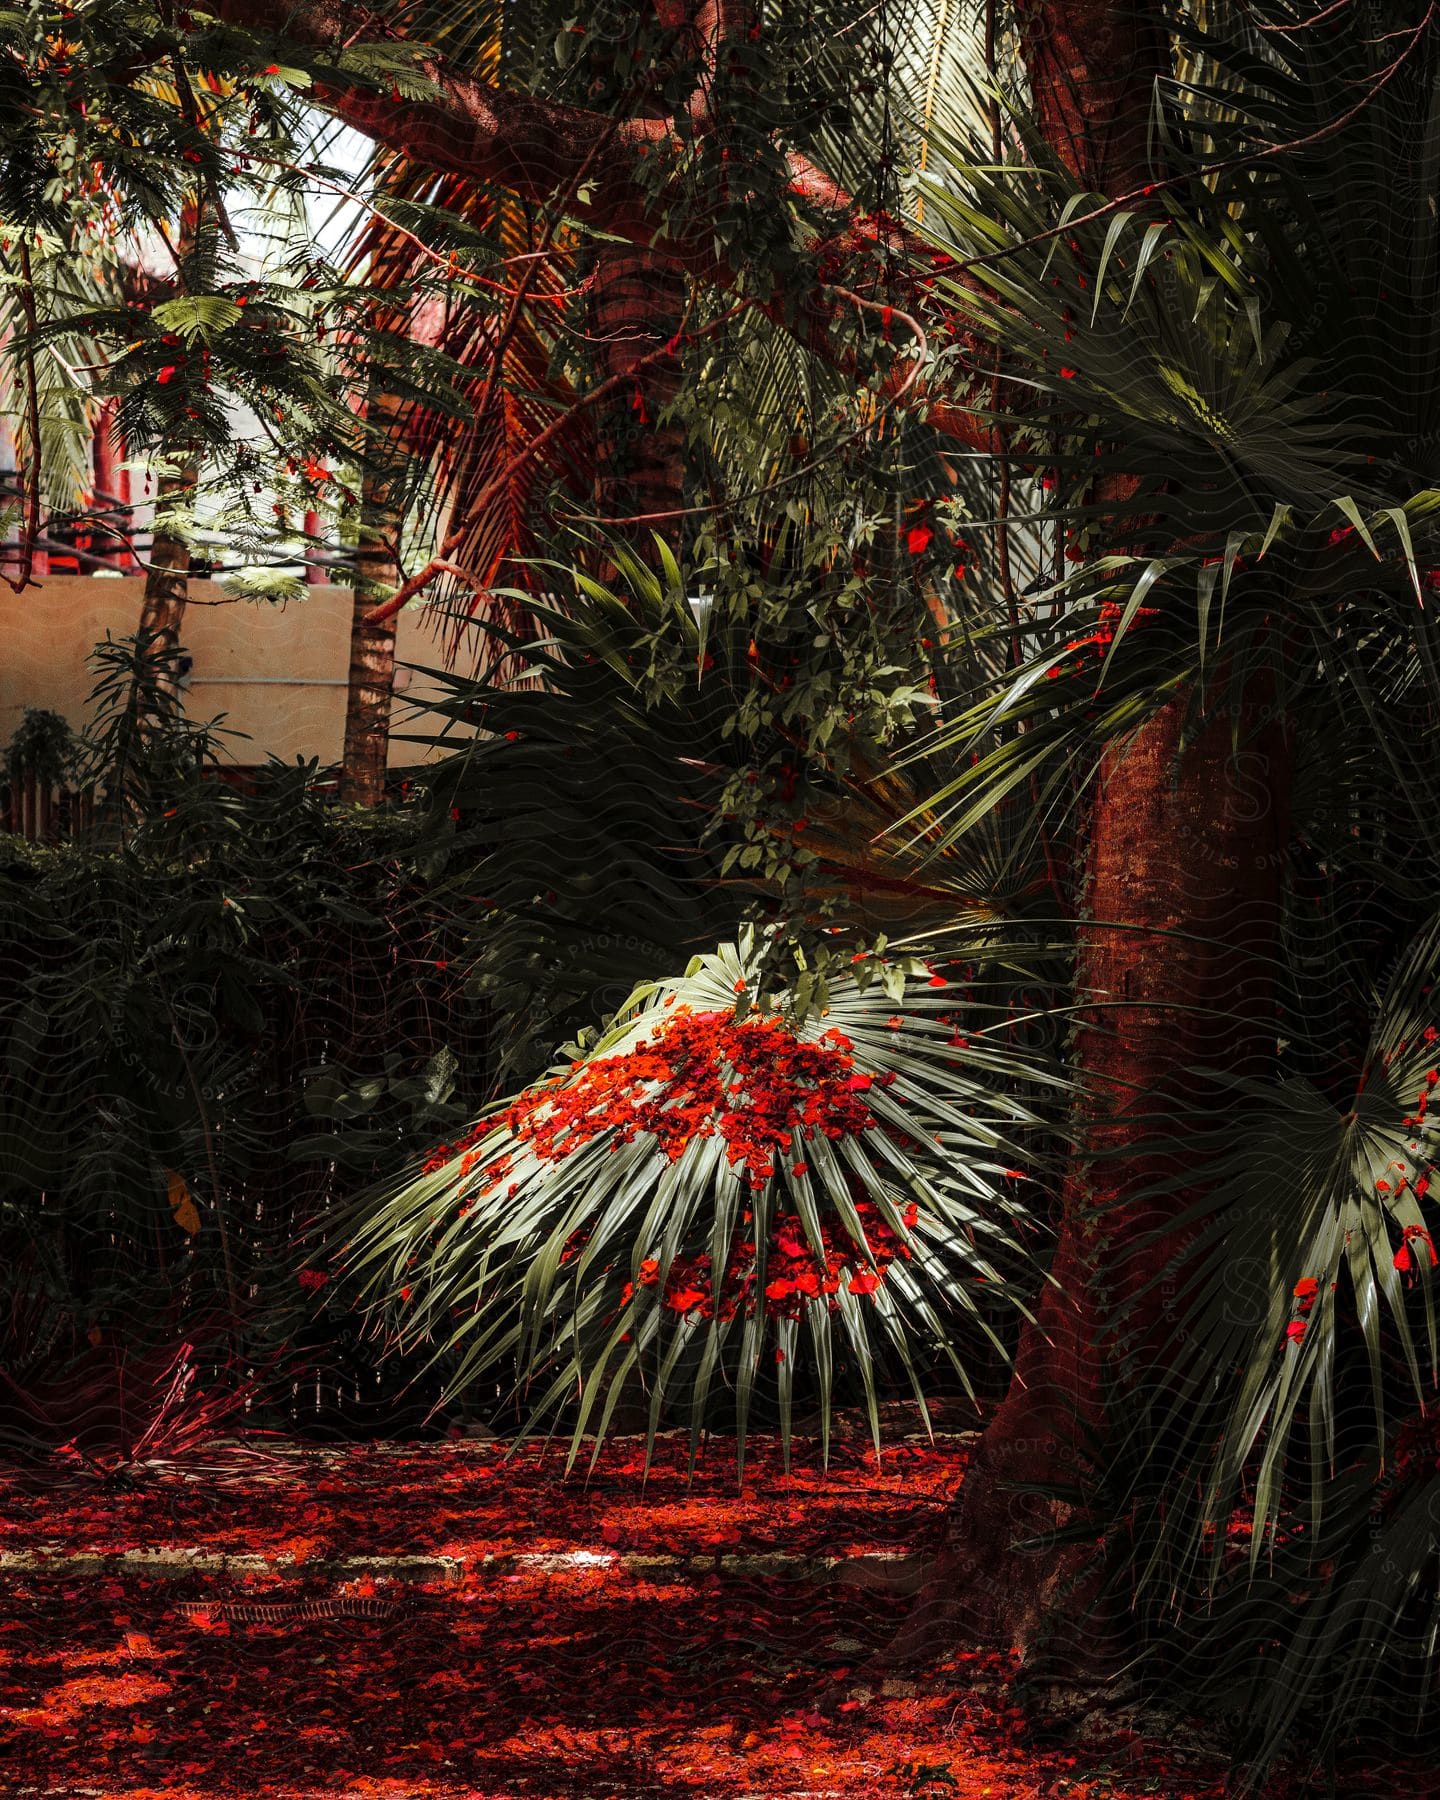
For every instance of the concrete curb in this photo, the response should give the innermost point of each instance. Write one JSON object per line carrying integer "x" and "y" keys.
{"x": 883, "y": 1566}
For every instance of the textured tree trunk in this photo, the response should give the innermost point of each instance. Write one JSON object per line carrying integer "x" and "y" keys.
{"x": 369, "y": 694}
{"x": 371, "y": 684}
{"x": 1093, "y": 65}
{"x": 1176, "y": 960}
{"x": 1182, "y": 902}
{"x": 167, "y": 576}
{"x": 636, "y": 309}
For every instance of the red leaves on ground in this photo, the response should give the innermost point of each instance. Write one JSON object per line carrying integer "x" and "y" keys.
{"x": 697, "y": 1679}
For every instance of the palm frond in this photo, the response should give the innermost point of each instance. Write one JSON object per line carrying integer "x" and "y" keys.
{"x": 700, "y": 1189}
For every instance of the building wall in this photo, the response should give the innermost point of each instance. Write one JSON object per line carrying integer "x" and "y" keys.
{"x": 276, "y": 671}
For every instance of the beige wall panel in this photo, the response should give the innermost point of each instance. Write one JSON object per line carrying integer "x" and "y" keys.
{"x": 276, "y": 672}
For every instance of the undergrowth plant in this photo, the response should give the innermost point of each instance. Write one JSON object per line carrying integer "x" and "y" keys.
{"x": 715, "y": 1196}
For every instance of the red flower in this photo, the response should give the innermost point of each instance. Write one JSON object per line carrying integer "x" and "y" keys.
{"x": 1295, "y": 1330}
{"x": 865, "y": 1282}
{"x": 1306, "y": 1288}
{"x": 1402, "y": 1255}
{"x": 917, "y": 539}
{"x": 167, "y": 375}
{"x": 312, "y": 1280}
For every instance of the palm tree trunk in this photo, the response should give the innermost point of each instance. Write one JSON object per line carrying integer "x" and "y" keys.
{"x": 371, "y": 685}
{"x": 1176, "y": 959}
{"x": 636, "y": 309}
{"x": 1182, "y": 893}
{"x": 167, "y": 575}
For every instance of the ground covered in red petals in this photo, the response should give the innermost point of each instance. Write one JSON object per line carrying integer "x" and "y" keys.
{"x": 437, "y": 1621}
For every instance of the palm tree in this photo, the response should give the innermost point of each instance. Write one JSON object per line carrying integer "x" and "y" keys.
{"x": 1238, "y": 413}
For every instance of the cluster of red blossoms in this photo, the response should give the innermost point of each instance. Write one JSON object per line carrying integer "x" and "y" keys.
{"x": 794, "y": 1274}
{"x": 755, "y": 1086}
{"x": 1306, "y": 1291}
{"x": 1090, "y": 651}
{"x": 702, "y": 1075}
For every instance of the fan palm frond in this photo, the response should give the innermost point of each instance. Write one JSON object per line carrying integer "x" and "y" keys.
{"x": 701, "y": 1194}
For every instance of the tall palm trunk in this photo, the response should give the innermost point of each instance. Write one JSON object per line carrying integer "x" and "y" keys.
{"x": 636, "y": 309}
{"x": 371, "y": 685}
{"x": 1174, "y": 967}
{"x": 167, "y": 573}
